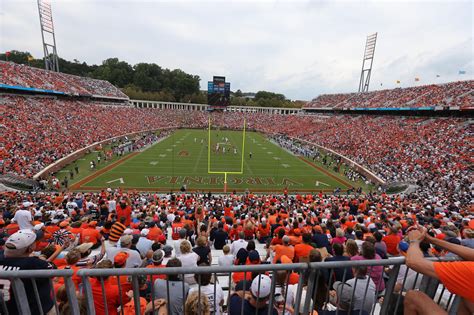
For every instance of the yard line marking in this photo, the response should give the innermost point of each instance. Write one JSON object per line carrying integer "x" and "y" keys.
{"x": 118, "y": 179}
{"x": 318, "y": 183}
{"x": 269, "y": 152}
{"x": 162, "y": 155}
{"x": 169, "y": 150}
{"x": 285, "y": 165}
{"x": 276, "y": 158}
{"x": 198, "y": 159}
{"x": 154, "y": 162}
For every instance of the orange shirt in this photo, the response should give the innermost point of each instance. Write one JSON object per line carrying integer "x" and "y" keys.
{"x": 302, "y": 250}
{"x": 392, "y": 241}
{"x": 457, "y": 277}
{"x": 154, "y": 277}
{"x": 112, "y": 293}
{"x": 154, "y": 233}
{"x": 264, "y": 232}
{"x": 281, "y": 250}
{"x": 175, "y": 227}
{"x": 239, "y": 276}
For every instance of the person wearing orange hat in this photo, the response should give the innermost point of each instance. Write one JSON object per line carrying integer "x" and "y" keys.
{"x": 91, "y": 235}
{"x": 120, "y": 261}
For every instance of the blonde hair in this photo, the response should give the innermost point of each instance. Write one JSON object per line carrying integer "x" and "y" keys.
{"x": 339, "y": 232}
{"x": 185, "y": 247}
{"x": 194, "y": 304}
{"x": 226, "y": 249}
{"x": 201, "y": 241}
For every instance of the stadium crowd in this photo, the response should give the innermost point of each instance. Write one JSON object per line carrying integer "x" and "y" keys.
{"x": 22, "y": 75}
{"x": 117, "y": 229}
{"x": 113, "y": 229}
{"x": 460, "y": 93}
{"x": 431, "y": 152}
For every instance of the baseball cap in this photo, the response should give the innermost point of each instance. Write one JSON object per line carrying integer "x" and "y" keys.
{"x": 264, "y": 290}
{"x": 128, "y": 232}
{"x": 84, "y": 247}
{"x": 168, "y": 249}
{"x": 158, "y": 256}
{"x": 126, "y": 240}
{"x": 254, "y": 256}
{"x": 63, "y": 224}
{"x": 145, "y": 232}
{"x": 93, "y": 223}
{"x": 121, "y": 258}
{"x": 21, "y": 239}
{"x": 38, "y": 226}
{"x": 27, "y": 204}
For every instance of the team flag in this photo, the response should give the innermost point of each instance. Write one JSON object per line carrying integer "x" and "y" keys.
{"x": 462, "y": 71}
{"x": 8, "y": 54}
{"x": 417, "y": 79}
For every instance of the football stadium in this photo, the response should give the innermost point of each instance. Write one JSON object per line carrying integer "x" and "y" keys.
{"x": 136, "y": 189}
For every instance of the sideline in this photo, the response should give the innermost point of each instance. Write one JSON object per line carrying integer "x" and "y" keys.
{"x": 87, "y": 179}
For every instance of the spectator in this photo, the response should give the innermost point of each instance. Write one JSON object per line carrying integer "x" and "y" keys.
{"x": 18, "y": 249}
{"x": 340, "y": 274}
{"x": 256, "y": 302}
{"x": 227, "y": 259}
{"x": 176, "y": 289}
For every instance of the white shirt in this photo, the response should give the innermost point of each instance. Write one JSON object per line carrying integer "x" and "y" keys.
{"x": 189, "y": 260}
{"x": 237, "y": 245}
{"x": 144, "y": 245}
{"x": 23, "y": 218}
{"x": 208, "y": 290}
{"x": 226, "y": 260}
{"x": 133, "y": 261}
{"x": 112, "y": 205}
{"x": 176, "y": 246}
{"x": 70, "y": 206}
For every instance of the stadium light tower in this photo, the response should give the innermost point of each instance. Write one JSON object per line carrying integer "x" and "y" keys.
{"x": 367, "y": 63}
{"x": 47, "y": 34}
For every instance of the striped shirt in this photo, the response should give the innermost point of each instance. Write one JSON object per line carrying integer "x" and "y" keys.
{"x": 116, "y": 231}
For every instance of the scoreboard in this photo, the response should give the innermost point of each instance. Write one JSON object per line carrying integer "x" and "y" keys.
{"x": 218, "y": 92}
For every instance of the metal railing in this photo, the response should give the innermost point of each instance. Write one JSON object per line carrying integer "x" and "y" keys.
{"x": 313, "y": 288}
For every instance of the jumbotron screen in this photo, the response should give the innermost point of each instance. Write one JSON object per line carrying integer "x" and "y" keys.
{"x": 218, "y": 92}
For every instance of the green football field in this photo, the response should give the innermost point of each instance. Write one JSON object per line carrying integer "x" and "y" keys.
{"x": 184, "y": 158}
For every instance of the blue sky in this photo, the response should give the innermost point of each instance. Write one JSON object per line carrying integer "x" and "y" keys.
{"x": 298, "y": 48}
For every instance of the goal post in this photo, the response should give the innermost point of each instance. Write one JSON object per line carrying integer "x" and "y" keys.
{"x": 225, "y": 173}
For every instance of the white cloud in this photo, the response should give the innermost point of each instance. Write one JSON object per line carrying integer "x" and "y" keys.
{"x": 298, "y": 48}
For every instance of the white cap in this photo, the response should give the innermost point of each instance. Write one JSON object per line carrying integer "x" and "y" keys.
{"x": 27, "y": 204}
{"x": 21, "y": 239}
{"x": 128, "y": 232}
{"x": 38, "y": 226}
{"x": 145, "y": 232}
{"x": 265, "y": 286}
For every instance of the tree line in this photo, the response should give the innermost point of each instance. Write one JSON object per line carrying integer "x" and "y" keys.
{"x": 149, "y": 81}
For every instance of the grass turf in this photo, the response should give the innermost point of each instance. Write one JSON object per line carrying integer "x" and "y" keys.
{"x": 181, "y": 159}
